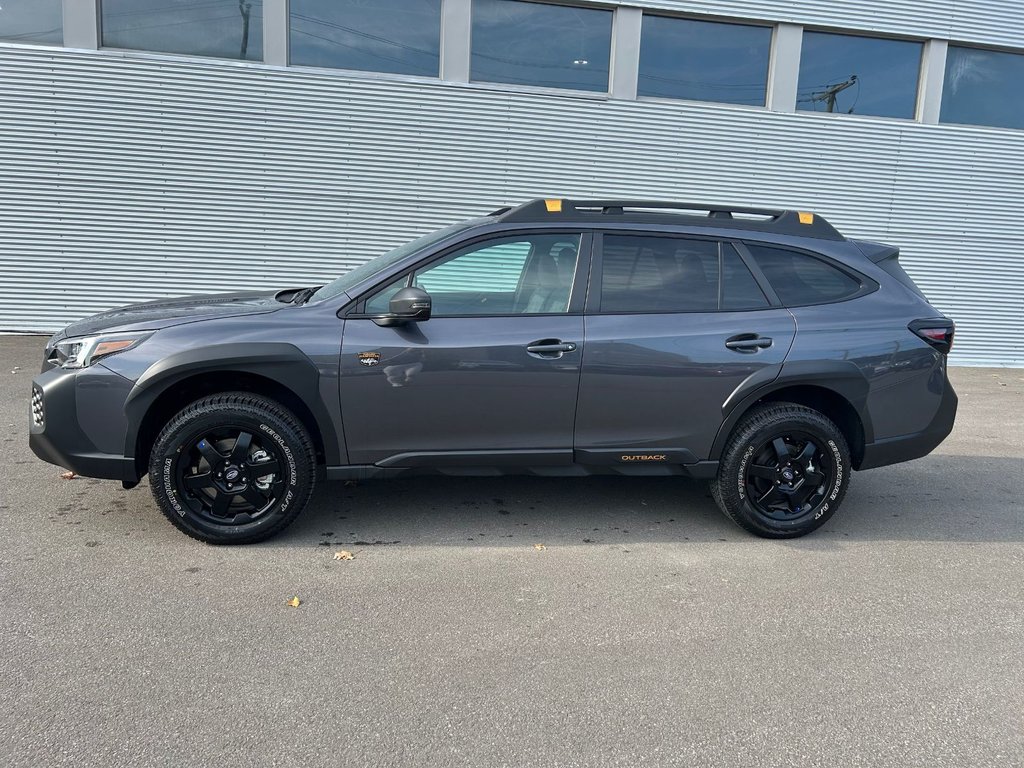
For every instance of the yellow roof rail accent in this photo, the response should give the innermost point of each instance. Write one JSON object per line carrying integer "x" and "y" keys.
{"x": 806, "y": 218}
{"x": 553, "y": 206}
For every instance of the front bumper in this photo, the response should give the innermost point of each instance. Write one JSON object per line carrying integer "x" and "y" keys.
{"x": 894, "y": 450}
{"x": 77, "y": 421}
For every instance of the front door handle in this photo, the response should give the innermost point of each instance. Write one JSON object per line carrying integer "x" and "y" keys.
{"x": 748, "y": 342}
{"x": 550, "y": 348}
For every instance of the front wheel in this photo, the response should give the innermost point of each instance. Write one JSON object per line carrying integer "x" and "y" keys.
{"x": 232, "y": 468}
{"x": 784, "y": 471}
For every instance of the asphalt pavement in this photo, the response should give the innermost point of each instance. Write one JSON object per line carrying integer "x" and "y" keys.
{"x": 647, "y": 631}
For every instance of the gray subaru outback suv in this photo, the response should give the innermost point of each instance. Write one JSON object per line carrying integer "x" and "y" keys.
{"x": 758, "y": 349}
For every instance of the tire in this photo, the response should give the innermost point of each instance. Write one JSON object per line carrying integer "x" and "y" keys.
{"x": 204, "y": 464}
{"x": 784, "y": 471}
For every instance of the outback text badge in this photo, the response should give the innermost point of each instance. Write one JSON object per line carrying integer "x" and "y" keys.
{"x": 369, "y": 358}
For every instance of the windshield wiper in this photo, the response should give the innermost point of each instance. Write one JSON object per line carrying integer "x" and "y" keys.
{"x": 301, "y": 297}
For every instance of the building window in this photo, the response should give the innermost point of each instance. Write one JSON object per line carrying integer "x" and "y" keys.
{"x": 555, "y": 46}
{"x": 228, "y": 29}
{"x": 704, "y": 60}
{"x": 858, "y": 75}
{"x": 400, "y": 36}
{"x": 983, "y": 88}
{"x": 32, "y": 21}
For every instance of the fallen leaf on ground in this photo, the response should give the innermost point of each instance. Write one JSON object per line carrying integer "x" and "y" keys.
{"x": 68, "y": 475}
{"x": 539, "y": 547}
{"x": 344, "y": 555}
{"x": 294, "y": 602}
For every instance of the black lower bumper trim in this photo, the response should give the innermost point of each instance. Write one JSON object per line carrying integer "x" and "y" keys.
{"x": 87, "y": 464}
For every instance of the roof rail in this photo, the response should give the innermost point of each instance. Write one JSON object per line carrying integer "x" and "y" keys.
{"x": 775, "y": 220}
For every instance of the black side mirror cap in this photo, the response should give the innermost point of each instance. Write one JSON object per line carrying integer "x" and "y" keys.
{"x": 409, "y": 305}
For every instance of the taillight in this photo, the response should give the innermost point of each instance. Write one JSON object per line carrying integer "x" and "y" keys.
{"x": 937, "y": 331}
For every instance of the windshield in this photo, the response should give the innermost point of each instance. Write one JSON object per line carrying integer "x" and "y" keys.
{"x": 381, "y": 263}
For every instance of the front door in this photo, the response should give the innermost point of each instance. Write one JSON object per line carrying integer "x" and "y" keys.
{"x": 674, "y": 325}
{"x": 491, "y": 377}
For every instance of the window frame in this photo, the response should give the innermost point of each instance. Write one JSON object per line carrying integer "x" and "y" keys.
{"x": 680, "y": 16}
{"x": 585, "y": 5}
{"x": 867, "y": 284}
{"x": 261, "y": 61}
{"x": 951, "y": 43}
{"x": 356, "y": 309}
{"x": 376, "y": 73}
{"x": 597, "y": 273}
{"x": 919, "y": 84}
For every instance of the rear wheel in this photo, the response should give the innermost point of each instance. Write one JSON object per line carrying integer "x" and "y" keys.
{"x": 232, "y": 468}
{"x": 784, "y": 472}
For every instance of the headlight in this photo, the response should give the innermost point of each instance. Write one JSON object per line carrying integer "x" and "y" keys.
{"x": 84, "y": 351}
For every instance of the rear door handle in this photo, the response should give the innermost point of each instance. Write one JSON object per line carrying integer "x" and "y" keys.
{"x": 748, "y": 342}
{"x": 550, "y": 347}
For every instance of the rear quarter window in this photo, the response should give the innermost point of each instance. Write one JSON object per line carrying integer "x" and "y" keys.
{"x": 800, "y": 279}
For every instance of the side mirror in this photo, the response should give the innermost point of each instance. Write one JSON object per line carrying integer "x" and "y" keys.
{"x": 409, "y": 305}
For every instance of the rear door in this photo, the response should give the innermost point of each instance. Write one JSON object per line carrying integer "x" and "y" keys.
{"x": 491, "y": 377}
{"x": 674, "y": 324}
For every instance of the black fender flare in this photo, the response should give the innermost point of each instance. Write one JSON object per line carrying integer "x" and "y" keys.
{"x": 283, "y": 363}
{"x": 841, "y": 377}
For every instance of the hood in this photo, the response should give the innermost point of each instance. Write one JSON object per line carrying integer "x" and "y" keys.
{"x": 153, "y": 315}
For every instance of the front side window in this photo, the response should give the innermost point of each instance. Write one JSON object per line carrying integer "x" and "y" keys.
{"x": 32, "y": 21}
{"x": 704, "y": 60}
{"x": 850, "y": 74}
{"x": 983, "y": 88}
{"x": 658, "y": 274}
{"x": 800, "y": 279}
{"x": 555, "y": 46}
{"x": 522, "y": 275}
{"x": 227, "y": 29}
{"x": 400, "y": 36}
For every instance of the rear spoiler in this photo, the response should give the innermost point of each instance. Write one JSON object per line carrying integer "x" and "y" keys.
{"x": 887, "y": 257}
{"x": 877, "y": 252}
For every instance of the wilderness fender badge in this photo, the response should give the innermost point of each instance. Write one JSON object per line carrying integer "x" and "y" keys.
{"x": 368, "y": 358}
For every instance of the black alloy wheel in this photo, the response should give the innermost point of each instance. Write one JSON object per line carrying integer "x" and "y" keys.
{"x": 784, "y": 471}
{"x": 789, "y": 476}
{"x": 232, "y": 468}
{"x": 231, "y": 476}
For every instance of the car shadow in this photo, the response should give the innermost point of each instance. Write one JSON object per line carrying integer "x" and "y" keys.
{"x": 939, "y": 498}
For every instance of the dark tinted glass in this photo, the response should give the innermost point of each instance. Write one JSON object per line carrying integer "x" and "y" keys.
{"x": 704, "y": 60}
{"x": 402, "y": 36}
{"x": 32, "y": 21}
{"x": 535, "y": 44}
{"x": 858, "y": 75}
{"x": 739, "y": 288}
{"x": 983, "y": 88}
{"x": 800, "y": 279}
{"x": 224, "y": 28}
{"x": 658, "y": 274}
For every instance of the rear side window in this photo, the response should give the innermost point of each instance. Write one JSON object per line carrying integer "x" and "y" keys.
{"x": 671, "y": 274}
{"x": 658, "y": 274}
{"x": 800, "y": 279}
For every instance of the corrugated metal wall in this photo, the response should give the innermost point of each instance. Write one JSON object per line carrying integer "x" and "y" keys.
{"x": 130, "y": 177}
